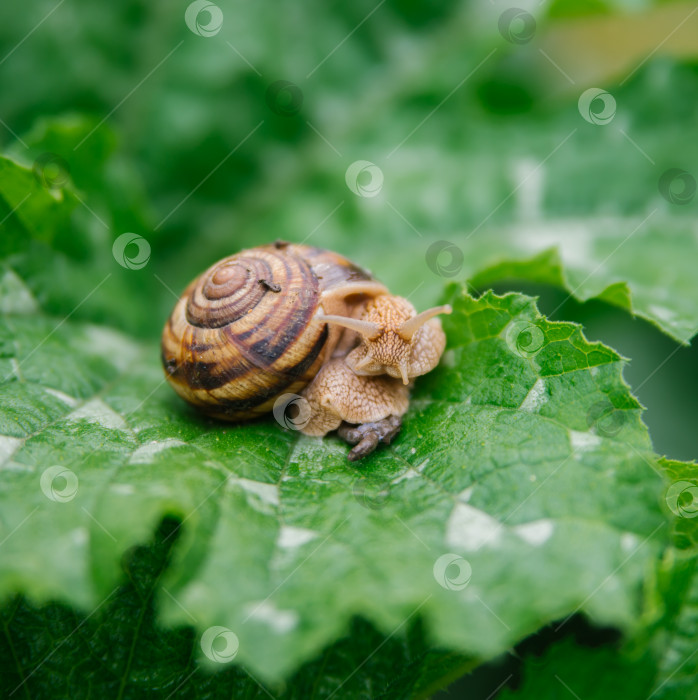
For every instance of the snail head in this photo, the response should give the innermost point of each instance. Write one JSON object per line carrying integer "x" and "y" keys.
{"x": 390, "y": 334}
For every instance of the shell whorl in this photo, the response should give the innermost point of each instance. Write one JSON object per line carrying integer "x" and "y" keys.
{"x": 242, "y": 333}
{"x": 230, "y": 289}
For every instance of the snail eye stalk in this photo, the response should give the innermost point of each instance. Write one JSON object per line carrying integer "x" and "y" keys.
{"x": 366, "y": 328}
{"x": 412, "y": 325}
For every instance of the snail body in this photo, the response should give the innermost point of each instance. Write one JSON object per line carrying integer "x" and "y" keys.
{"x": 285, "y": 319}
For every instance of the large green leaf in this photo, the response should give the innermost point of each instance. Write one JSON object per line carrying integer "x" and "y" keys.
{"x": 678, "y": 665}
{"x": 524, "y": 454}
{"x": 53, "y": 651}
{"x": 665, "y": 669}
{"x": 664, "y": 665}
{"x": 652, "y": 277}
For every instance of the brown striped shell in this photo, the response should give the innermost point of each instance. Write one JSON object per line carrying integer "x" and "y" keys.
{"x": 242, "y": 334}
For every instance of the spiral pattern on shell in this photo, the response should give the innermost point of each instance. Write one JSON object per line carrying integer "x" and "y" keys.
{"x": 229, "y": 290}
{"x": 242, "y": 333}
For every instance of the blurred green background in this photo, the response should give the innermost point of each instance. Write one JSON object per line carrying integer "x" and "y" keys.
{"x": 204, "y": 145}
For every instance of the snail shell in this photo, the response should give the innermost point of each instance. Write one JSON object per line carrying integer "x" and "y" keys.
{"x": 241, "y": 334}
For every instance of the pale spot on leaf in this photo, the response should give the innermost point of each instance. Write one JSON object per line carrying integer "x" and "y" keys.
{"x": 8, "y": 446}
{"x": 582, "y": 442}
{"x": 96, "y": 411}
{"x": 535, "y": 398}
{"x": 536, "y": 532}
{"x": 469, "y": 528}
{"x": 281, "y": 621}
{"x": 267, "y": 493}
{"x": 291, "y": 537}
{"x": 146, "y": 453}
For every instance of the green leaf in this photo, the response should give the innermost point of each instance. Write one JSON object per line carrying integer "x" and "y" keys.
{"x": 33, "y": 203}
{"x": 653, "y": 277}
{"x": 681, "y": 496}
{"x": 678, "y": 664}
{"x": 55, "y": 245}
{"x": 665, "y": 669}
{"x": 523, "y": 454}
{"x": 664, "y": 664}
{"x": 120, "y": 650}
{"x": 569, "y": 669}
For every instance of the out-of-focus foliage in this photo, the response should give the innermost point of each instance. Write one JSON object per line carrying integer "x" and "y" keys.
{"x": 456, "y": 117}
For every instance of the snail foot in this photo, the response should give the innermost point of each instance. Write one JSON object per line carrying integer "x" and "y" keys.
{"x": 368, "y": 436}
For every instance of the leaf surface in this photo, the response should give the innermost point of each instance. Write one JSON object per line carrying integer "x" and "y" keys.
{"x": 523, "y": 459}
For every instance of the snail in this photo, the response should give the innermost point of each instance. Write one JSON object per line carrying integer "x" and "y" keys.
{"x": 285, "y": 319}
